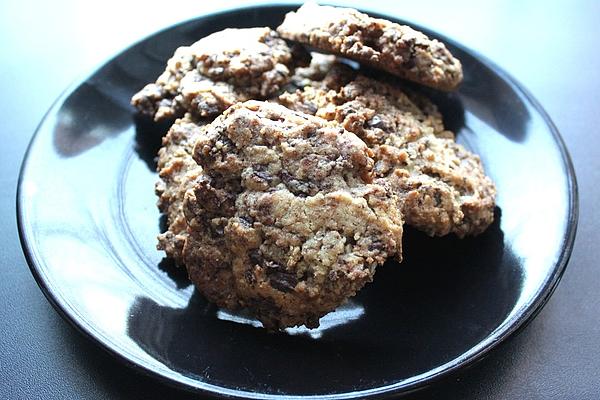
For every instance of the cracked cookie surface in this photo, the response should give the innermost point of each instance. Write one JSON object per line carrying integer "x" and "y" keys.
{"x": 219, "y": 70}
{"x": 286, "y": 221}
{"x": 376, "y": 42}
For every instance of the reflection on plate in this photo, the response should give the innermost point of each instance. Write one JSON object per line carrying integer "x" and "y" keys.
{"x": 88, "y": 223}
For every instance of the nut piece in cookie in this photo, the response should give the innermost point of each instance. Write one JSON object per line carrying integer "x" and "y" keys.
{"x": 442, "y": 187}
{"x": 219, "y": 70}
{"x": 177, "y": 171}
{"x": 286, "y": 222}
{"x": 378, "y": 43}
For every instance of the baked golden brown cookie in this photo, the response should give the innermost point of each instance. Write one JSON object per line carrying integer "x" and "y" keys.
{"x": 219, "y": 70}
{"x": 286, "y": 221}
{"x": 376, "y": 42}
{"x": 442, "y": 187}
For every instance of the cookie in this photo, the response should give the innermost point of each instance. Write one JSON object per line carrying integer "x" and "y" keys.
{"x": 442, "y": 187}
{"x": 286, "y": 221}
{"x": 219, "y": 70}
{"x": 177, "y": 171}
{"x": 397, "y": 49}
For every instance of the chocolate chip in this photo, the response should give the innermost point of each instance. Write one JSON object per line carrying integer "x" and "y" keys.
{"x": 298, "y": 187}
{"x": 263, "y": 176}
{"x": 249, "y": 277}
{"x": 376, "y": 245}
{"x": 246, "y": 220}
{"x": 283, "y": 281}
{"x": 286, "y": 177}
{"x": 311, "y": 108}
{"x": 255, "y": 257}
{"x": 438, "y": 198}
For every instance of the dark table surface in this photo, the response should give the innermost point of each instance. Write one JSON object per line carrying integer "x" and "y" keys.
{"x": 551, "y": 48}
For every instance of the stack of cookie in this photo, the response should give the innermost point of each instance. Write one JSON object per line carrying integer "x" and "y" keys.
{"x": 286, "y": 178}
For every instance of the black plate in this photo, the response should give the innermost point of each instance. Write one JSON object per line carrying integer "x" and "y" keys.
{"x": 88, "y": 222}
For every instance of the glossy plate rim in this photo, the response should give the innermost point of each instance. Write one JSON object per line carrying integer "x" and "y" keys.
{"x": 467, "y": 359}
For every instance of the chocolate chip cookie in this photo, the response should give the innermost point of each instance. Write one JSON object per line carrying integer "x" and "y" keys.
{"x": 219, "y": 70}
{"x": 376, "y": 42}
{"x": 442, "y": 187}
{"x": 285, "y": 221}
